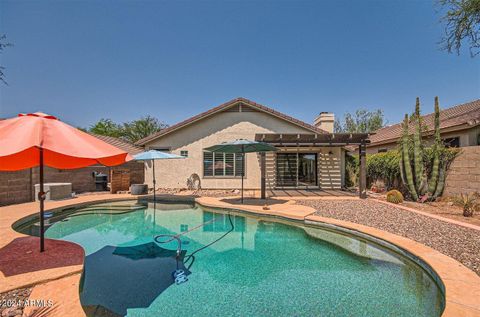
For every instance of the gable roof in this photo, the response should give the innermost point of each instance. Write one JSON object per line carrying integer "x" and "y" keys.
{"x": 224, "y": 107}
{"x": 455, "y": 118}
{"x": 131, "y": 148}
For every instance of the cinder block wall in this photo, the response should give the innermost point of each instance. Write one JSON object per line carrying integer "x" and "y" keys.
{"x": 464, "y": 173}
{"x": 17, "y": 187}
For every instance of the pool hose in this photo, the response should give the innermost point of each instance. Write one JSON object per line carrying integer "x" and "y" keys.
{"x": 179, "y": 275}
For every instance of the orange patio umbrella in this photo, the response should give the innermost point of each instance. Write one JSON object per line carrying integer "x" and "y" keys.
{"x": 38, "y": 139}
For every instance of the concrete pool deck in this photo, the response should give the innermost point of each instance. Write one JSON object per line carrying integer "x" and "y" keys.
{"x": 56, "y": 277}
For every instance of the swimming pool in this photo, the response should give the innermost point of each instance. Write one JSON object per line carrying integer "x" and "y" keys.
{"x": 243, "y": 265}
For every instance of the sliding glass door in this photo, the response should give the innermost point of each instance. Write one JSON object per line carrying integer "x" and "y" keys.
{"x": 296, "y": 169}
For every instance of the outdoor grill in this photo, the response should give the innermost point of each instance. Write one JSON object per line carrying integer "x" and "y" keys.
{"x": 101, "y": 181}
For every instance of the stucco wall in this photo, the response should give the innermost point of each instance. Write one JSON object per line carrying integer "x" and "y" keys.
{"x": 464, "y": 173}
{"x": 225, "y": 126}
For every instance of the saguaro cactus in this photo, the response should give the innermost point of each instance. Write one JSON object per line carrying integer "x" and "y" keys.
{"x": 407, "y": 168}
{"x": 432, "y": 185}
{"x": 418, "y": 151}
{"x": 416, "y": 183}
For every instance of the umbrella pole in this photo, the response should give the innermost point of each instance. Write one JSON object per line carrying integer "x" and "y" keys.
{"x": 243, "y": 167}
{"x": 41, "y": 198}
{"x": 154, "y": 182}
{"x": 154, "y": 194}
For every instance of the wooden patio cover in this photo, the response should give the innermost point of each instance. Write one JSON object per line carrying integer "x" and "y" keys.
{"x": 328, "y": 139}
{"x": 314, "y": 139}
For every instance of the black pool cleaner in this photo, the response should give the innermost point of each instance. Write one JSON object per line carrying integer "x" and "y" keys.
{"x": 179, "y": 275}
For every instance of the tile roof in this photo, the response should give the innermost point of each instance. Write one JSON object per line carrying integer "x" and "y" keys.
{"x": 457, "y": 117}
{"x": 225, "y": 106}
{"x": 131, "y": 148}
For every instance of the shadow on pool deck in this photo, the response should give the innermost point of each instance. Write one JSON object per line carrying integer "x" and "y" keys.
{"x": 22, "y": 255}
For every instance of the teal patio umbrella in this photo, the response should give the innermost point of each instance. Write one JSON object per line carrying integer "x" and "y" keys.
{"x": 154, "y": 155}
{"x": 242, "y": 146}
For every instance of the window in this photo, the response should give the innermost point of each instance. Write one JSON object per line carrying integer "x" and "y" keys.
{"x": 478, "y": 139}
{"x": 452, "y": 142}
{"x": 184, "y": 153}
{"x": 382, "y": 150}
{"x": 222, "y": 164}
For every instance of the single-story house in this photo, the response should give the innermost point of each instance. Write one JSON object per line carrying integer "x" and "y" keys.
{"x": 310, "y": 156}
{"x": 459, "y": 127}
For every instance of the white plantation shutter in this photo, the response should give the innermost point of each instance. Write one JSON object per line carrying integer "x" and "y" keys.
{"x": 222, "y": 164}
{"x": 229, "y": 164}
{"x": 207, "y": 164}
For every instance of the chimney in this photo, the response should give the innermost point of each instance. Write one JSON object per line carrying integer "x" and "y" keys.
{"x": 325, "y": 121}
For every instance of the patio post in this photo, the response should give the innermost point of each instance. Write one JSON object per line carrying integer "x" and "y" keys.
{"x": 362, "y": 183}
{"x": 262, "y": 175}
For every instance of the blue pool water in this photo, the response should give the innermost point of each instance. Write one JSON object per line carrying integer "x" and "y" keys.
{"x": 263, "y": 267}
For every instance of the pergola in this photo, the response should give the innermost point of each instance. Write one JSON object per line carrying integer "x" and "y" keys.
{"x": 313, "y": 140}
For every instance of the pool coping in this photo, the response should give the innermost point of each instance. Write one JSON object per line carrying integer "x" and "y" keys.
{"x": 462, "y": 286}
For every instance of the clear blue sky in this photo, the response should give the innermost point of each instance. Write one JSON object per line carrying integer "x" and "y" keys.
{"x": 84, "y": 60}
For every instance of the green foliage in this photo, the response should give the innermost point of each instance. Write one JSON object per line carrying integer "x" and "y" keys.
{"x": 383, "y": 166}
{"x": 437, "y": 159}
{"x": 3, "y": 44}
{"x": 405, "y": 157}
{"x": 362, "y": 121}
{"x": 130, "y": 131}
{"x": 139, "y": 129}
{"x": 106, "y": 127}
{"x": 351, "y": 170}
{"x": 437, "y": 147}
{"x": 386, "y": 166}
{"x": 468, "y": 202}
{"x": 462, "y": 24}
{"x": 394, "y": 196}
{"x": 420, "y": 182}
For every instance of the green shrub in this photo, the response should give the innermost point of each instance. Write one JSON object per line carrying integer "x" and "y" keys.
{"x": 384, "y": 166}
{"x": 351, "y": 170}
{"x": 468, "y": 202}
{"x": 394, "y": 196}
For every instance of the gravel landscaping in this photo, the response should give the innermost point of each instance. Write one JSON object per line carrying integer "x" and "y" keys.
{"x": 458, "y": 242}
{"x": 11, "y": 303}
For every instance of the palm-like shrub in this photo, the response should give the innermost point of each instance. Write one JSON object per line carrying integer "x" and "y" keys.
{"x": 468, "y": 202}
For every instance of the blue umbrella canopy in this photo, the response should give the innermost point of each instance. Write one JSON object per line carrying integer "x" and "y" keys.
{"x": 241, "y": 146}
{"x": 156, "y": 155}
{"x": 153, "y": 155}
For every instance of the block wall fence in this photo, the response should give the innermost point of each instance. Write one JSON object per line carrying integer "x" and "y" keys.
{"x": 18, "y": 187}
{"x": 464, "y": 173}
